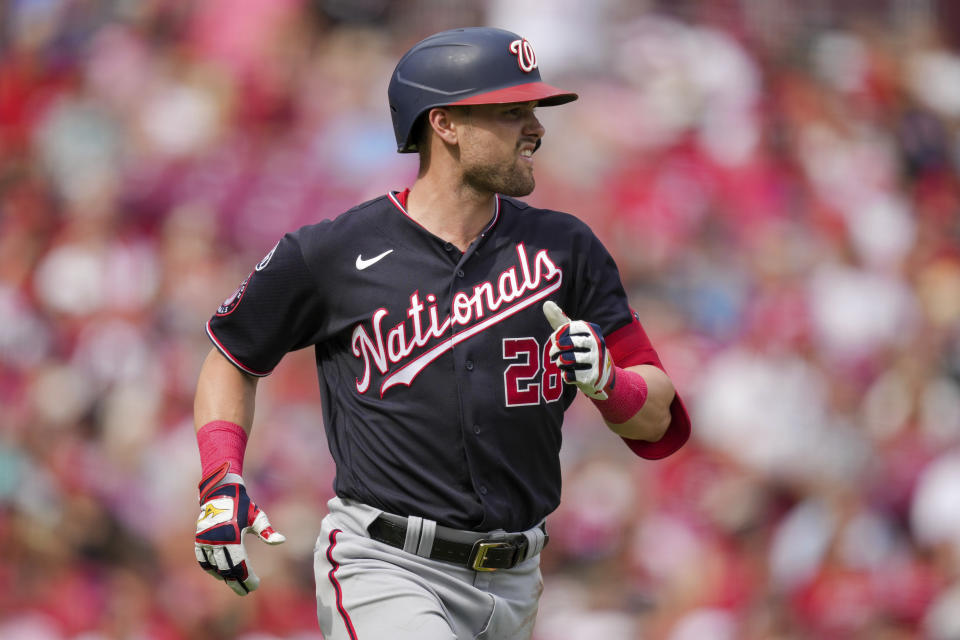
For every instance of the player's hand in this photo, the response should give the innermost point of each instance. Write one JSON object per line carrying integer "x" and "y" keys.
{"x": 579, "y": 351}
{"x": 226, "y": 513}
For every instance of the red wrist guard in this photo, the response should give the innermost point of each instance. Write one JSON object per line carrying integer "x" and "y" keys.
{"x": 624, "y": 398}
{"x": 221, "y": 441}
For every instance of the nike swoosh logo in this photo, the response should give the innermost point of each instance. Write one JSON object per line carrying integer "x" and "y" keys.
{"x": 363, "y": 264}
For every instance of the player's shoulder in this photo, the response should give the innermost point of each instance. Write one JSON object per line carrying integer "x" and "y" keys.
{"x": 523, "y": 213}
{"x": 327, "y": 242}
{"x": 354, "y": 220}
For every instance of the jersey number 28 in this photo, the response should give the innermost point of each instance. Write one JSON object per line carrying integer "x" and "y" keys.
{"x": 525, "y": 381}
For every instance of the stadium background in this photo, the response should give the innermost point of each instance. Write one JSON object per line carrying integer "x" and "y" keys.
{"x": 777, "y": 180}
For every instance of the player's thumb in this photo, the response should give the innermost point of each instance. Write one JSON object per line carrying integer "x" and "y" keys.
{"x": 261, "y": 526}
{"x": 555, "y": 315}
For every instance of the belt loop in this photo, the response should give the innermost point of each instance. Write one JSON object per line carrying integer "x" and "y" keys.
{"x": 535, "y": 541}
{"x": 427, "y": 535}
{"x": 412, "y": 540}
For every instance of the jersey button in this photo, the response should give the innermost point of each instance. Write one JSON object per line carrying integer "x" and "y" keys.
{"x": 468, "y": 365}
{"x": 483, "y": 490}
{"x": 476, "y": 429}
{"x": 448, "y": 246}
{"x": 459, "y": 273}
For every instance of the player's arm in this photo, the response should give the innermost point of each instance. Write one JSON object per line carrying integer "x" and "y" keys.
{"x": 224, "y": 393}
{"x": 274, "y": 311}
{"x": 223, "y": 414}
{"x": 634, "y": 401}
{"x": 653, "y": 417}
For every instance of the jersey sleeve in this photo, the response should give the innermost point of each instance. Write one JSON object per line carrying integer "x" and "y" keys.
{"x": 275, "y": 310}
{"x": 598, "y": 294}
{"x": 600, "y": 298}
{"x": 630, "y": 346}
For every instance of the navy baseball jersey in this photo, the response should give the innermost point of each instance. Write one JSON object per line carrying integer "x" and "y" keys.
{"x": 438, "y": 398}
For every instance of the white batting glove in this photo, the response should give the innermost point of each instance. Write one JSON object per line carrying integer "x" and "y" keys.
{"x": 579, "y": 351}
{"x": 226, "y": 513}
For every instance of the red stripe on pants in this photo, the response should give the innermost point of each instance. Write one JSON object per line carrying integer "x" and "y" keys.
{"x": 336, "y": 585}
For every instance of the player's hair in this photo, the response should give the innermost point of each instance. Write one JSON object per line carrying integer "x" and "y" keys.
{"x": 420, "y": 134}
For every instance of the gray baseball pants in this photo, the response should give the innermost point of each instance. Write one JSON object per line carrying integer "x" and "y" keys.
{"x": 368, "y": 590}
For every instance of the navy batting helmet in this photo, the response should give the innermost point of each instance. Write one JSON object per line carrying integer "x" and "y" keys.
{"x": 476, "y": 65}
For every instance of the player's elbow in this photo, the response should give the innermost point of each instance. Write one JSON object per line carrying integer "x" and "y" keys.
{"x": 651, "y": 426}
{"x": 653, "y": 419}
{"x": 659, "y": 422}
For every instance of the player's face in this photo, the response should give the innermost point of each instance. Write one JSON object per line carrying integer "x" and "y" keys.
{"x": 496, "y": 147}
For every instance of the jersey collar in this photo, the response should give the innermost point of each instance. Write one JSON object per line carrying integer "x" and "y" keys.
{"x": 399, "y": 199}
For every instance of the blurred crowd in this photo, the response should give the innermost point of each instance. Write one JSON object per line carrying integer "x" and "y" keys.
{"x": 777, "y": 181}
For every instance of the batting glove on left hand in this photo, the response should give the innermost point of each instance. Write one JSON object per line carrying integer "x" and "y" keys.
{"x": 580, "y": 352}
{"x": 226, "y": 513}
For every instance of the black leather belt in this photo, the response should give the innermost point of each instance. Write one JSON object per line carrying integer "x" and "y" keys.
{"x": 475, "y": 551}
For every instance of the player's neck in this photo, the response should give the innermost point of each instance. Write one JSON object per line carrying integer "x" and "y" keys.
{"x": 456, "y": 215}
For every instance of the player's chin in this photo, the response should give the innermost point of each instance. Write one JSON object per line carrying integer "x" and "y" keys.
{"x": 513, "y": 181}
{"x": 517, "y": 190}
{"x": 521, "y": 183}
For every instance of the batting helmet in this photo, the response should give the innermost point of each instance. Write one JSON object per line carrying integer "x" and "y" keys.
{"x": 476, "y": 65}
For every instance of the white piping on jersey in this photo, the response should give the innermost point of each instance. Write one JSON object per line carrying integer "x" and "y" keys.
{"x": 496, "y": 212}
{"x": 229, "y": 356}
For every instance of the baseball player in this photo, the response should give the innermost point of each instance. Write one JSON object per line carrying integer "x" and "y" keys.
{"x": 453, "y": 325}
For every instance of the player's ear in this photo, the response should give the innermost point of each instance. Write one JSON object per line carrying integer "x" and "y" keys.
{"x": 444, "y": 123}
